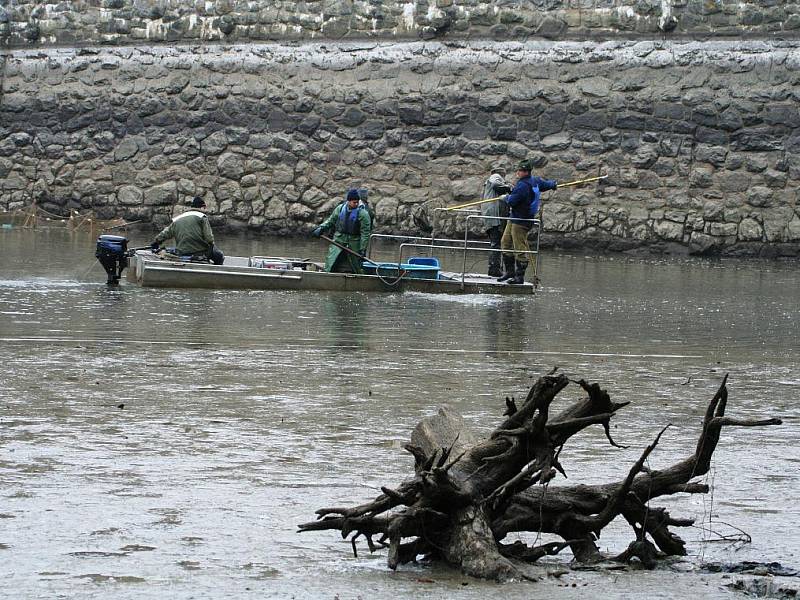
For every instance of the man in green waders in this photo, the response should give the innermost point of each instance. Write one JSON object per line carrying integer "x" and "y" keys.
{"x": 351, "y": 225}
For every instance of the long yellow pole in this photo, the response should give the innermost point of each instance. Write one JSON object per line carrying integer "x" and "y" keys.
{"x": 580, "y": 181}
{"x": 476, "y": 202}
{"x": 473, "y": 203}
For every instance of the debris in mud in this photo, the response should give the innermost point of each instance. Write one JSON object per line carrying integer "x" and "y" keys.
{"x": 137, "y": 548}
{"x": 468, "y": 494}
{"x": 751, "y": 567}
{"x": 766, "y": 587}
{"x": 100, "y": 578}
{"x": 96, "y": 554}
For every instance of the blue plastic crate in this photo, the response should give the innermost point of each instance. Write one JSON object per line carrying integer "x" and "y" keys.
{"x": 408, "y": 270}
{"x": 430, "y": 261}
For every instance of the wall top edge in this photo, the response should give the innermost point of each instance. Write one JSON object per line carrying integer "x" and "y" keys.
{"x": 298, "y": 50}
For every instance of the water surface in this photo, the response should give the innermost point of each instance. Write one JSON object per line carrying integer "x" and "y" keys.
{"x": 167, "y": 442}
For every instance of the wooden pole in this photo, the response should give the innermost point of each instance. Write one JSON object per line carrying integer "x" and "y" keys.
{"x": 580, "y": 181}
{"x": 473, "y": 203}
{"x": 346, "y": 249}
{"x": 476, "y": 202}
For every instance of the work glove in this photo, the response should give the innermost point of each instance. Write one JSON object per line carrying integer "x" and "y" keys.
{"x": 502, "y": 189}
{"x": 555, "y": 186}
{"x": 503, "y": 198}
{"x": 317, "y": 232}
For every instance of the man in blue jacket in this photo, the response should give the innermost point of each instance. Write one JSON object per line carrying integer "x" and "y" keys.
{"x": 524, "y": 201}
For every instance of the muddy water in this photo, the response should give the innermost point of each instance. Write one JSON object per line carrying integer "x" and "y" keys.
{"x": 165, "y": 443}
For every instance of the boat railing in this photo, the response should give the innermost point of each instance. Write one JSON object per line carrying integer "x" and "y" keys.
{"x": 465, "y": 244}
{"x": 534, "y": 253}
{"x": 473, "y": 214}
{"x": 430, "y": 241}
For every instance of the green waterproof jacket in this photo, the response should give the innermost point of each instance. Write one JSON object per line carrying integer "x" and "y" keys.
{"x": 192, "y": 233}
{"x": 356, "y": 242}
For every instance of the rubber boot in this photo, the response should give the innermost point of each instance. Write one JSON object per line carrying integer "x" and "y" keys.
{"x": 508, "y": 268}
{"x": 494, "y": 257}
{"x": 494, "y": 265}
{"x": 519, "y": 276}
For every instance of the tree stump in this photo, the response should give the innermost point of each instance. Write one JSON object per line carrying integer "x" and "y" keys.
{"x": 467, "y": 494}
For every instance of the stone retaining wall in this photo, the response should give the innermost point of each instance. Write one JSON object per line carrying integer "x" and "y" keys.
{"x": 123, "y": 22}
{"x": 700, "y": 140}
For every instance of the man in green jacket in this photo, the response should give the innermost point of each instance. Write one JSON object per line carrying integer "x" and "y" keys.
{"x": 351, "y": 225}
{"x": 193, "y": 235}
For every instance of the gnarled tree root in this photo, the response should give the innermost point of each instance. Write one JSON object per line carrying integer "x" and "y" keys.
{"x": 467, "y": 494}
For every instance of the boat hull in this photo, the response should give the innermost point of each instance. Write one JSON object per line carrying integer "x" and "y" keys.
{"x": 149, "y": 270}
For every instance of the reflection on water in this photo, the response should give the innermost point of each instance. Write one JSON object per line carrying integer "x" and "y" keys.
{"x": 168, "y": 441}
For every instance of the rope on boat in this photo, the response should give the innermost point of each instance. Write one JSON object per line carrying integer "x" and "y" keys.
{"x": 403, "y": 273}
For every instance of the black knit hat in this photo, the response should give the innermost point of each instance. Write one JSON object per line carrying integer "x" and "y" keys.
{"x": 198, "y": 202}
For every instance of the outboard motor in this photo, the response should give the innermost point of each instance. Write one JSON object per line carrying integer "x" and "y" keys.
{"x": 112, "y": 252}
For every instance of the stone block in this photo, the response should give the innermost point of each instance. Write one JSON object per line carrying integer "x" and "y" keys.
{"x": 227, "y": 190}
{"x": 630, "y": 121}
{"x": 664, "y": 167}
{"x": 750, "y": 230}
{"x": 715, "y": 155}
{"x": 555, "y": 143}
{"x": 648, "y": 181}
{"x": 597, "y": 120}
{"x": 755, "y": 163}
{"x": 793, "y": 229}
{"x": 644, "y": 157}
{"x": 128, "y": 148}
{"x": 757, "y": 139}
{"x": 712, "y": 137}
{"x": 214, "y": 144}
{"x": 560, "y": 217}
{"x": 722, "y": 229}
{"x": 277, "y": 209}
{"x": 351, "y": 117}
{"x": 733, "y": 182}
{"x": 694, "y": 222}
{"x": 730, "y": 120}
{"x": 712, "y": 209}
{"x": 668, "y": 230}
{"x": 775, "y": 179}
{"x": 411, "y": 114}
{"x": 642, "y": 232}
{"x": 676, "y": 215}
{"x": 701, "y": 177}
{"x": 160, "y": 195}
{"x": 785, "y": 115}
{"x": 13, "y": 181}
{"x": 231, "y": 166}
{"x": 186, "y": 187}
{"x": 775, "y": 223}
{"x": 701, "y": 243}
{"x": 129, "y": 195}
{"x": 637, "y": 215}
